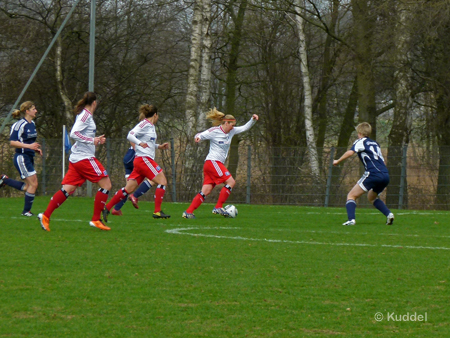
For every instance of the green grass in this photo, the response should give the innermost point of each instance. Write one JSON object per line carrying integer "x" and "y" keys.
{"x": 274, "y": 271}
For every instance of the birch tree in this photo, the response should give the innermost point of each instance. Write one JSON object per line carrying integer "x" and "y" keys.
{"x": 194, "y": 66}
{"x": 309, "y": 127}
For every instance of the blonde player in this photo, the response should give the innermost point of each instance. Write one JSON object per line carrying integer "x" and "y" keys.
{"x": 82, "y": 164}
{"x": 214, "y": 170}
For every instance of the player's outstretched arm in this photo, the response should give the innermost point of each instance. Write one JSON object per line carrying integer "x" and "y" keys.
{"x": 346, "y": 155}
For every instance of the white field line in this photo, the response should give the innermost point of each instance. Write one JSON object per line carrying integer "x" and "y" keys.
{"x": 182, "y": 231}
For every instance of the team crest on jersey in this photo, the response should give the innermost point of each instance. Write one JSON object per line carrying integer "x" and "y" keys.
{"x": 221, "y": 142}
{"x": 152, "y": 139}
{"x": 158, "y": 168}
{"x": 227, "y": 173}
{"x": 105, "y": 173}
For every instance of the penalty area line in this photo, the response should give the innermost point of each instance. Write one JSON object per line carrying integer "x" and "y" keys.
{"x": 182, "y": 231}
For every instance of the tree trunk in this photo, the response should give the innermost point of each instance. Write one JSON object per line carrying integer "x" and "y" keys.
{"x": 205, "y": 73}
{"x": 194, "y": 66}
{"x": 398, "y": 135}
{"x": 363, "y": 33}
{"x": 231, "y": 81}
{"x": 309, "y": 128}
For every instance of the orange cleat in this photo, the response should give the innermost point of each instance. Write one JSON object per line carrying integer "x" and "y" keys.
{"x": 116, "y": 212}
{"x": 99, "y": 225}
{"x": 134, "y": 200}
{"x": 45, "y": 222}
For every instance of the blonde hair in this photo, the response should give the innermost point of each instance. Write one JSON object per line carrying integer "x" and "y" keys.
{"x": 217, "y": 118}
{"x": 23, "y": 108}
{"x": 364, "y": 128}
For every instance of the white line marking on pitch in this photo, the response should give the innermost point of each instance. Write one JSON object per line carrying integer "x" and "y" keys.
{"x": 181, "y": 231}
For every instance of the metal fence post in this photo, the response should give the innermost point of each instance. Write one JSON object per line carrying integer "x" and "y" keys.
{"x": 330, "y": 174}
{"x": 249, "y": 173}
{"x": 44, "y": 153}
{"x": 403, "y": 177}
{"x": 174, "y": 173}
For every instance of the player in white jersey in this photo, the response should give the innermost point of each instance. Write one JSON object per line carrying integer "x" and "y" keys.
{"x": 82, "y": 164}
{"x": 214, "y": 170}
{"x": 143, "y": 135}
{"x": 23, "y": 137}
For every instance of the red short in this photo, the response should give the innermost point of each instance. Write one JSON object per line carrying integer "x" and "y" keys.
{"x": 144, "y": 167}
{"x": 90, "y": 169}
{"x": 215, "y": 172}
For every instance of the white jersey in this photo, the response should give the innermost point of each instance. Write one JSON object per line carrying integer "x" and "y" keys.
{"x": 144, "y": 132}
{"x": 83, "y": 132}
{"x": 219, "y": 141}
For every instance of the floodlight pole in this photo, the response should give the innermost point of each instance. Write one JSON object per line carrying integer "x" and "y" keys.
{"x": 39, "y": 65}
{"x": 91, "y": 66}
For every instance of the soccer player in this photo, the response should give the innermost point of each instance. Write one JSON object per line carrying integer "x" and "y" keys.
{"x": 375, "y": 178}
{"x": 128, "y": 160}
{"x": 83, "y": 165}
{"x": 214, "y": 170}
{"x": 143, "y": 135}
{"x": 23, "y": 137}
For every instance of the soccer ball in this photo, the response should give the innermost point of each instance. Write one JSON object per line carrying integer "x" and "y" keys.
{"x": 232, "y": 210}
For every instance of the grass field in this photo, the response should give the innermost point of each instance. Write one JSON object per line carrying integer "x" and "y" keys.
{"x": 274, "y": 271}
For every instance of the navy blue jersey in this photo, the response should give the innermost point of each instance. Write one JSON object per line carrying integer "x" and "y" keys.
{"x": 369, "y": 152}
{"x": 24, "y": 132}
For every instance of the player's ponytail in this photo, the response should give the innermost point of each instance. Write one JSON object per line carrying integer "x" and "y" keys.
{"x": 23, "y": 108}
{"x": 87, "y": 100}
{"x": 215, "y": 116}
{"x": 147, "y": 110}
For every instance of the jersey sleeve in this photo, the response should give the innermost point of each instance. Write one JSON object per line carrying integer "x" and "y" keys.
{"x": 77, "y": 130}
{"x": 134, "y": 134}
{"x": 14, "y": 135}
{"x": 245, "y": 127}
{"x": 205, "y": 135}
{"x": 358, "y": 146}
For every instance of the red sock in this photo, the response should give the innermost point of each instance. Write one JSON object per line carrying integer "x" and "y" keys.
{"x": 224, "y": 194}
{"x": 196, "y": 202}
{"x": 118, "y": 196}
{"x": 58, "y": 198}
{"x": 159, "y": 195}
{"x": 99, "y": 203}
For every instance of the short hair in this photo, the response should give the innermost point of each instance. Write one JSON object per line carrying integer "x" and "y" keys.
{"x": 364, "y": 128}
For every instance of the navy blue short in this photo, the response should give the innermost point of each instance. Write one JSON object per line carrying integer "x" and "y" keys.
{"x": 376, "y": 182}
{"x": 128, "y": 161}
{"x": 24, "y": 164}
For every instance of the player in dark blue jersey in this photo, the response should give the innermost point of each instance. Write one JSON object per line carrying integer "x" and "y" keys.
{"x": 23, "y": 137}
{"x": 375, "y": 178}
{"x": 143, "y": 188}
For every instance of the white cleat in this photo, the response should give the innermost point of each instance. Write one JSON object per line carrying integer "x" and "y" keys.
{"x": 351, "y": 222}
{"x": 390, "y": 219}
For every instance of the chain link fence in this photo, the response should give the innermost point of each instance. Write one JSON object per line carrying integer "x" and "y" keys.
{"x": 278, "y": 175}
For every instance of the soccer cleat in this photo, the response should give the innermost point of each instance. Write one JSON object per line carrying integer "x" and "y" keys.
{"x": 45, "y": 222}
{"x": 188, "y": 215}
{"x": 390, "y": 219}
{"x": 28, "y": 214}
{"x": 105, "y": 213}
{"x": 351, "y": 222}
{"x": 2, "y": 180}
{"x": 134, "y": 201}
{"x": 99, "y": 225}
{"x": 116, "y": 212}
{"x": 160, "y": 214}
{"x": 220, "y": 211}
